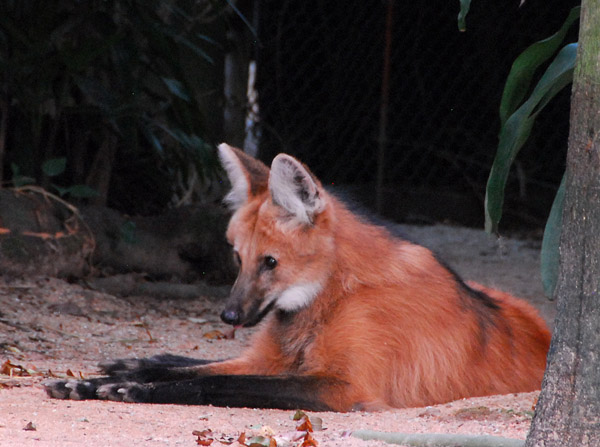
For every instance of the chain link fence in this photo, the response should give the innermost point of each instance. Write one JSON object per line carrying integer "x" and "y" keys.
{"x": 319, "y": 82}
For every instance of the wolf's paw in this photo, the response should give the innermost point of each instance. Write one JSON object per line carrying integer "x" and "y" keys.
{"x": 124, "y": 392}
{"x": 70, "y": 389}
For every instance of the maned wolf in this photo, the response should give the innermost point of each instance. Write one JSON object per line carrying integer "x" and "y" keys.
{"x": 352, "y": 317}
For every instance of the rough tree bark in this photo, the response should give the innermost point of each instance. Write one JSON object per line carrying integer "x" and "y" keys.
{"x": 568, "y": 411}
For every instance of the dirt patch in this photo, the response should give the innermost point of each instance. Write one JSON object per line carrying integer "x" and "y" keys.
{"x": 49, "y": 327}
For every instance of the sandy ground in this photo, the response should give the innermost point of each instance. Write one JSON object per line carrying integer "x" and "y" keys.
{"x": 51, "y": 328}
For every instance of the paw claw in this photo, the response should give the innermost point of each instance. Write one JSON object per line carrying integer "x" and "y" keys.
{"x": 70, "y": 389}
{"x": 118, "y": 392}
{"x": 56, "y": 388}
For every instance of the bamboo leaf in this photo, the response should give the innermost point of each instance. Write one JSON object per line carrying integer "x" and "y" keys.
{"x": 80, "y": 58}
{"x": 176, "y": 88}
{"x": 154, "y": 141}
{"x": 244, "y": 19}
{"x": 518, "y": 127}
{"x": 180, "y": 39}
{"x": 98, "y": 94}
{"x": 551, "y": 241}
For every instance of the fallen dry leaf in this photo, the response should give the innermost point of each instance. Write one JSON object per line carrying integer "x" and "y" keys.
{"x": 305, "y": 425}
{"x": 226, "y": 439}
{"x": 309, "y": 441}
{"x": 13, "y": 370}
{"x": 204, "y": 437}
{"x": 214, "y": 335}
{"x": 242, "y": 438}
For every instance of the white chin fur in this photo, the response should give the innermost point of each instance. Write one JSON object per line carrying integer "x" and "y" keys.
{"x": 298, "y": 296}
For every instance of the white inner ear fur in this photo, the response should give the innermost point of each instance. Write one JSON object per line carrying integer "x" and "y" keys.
{"x": 238, "y": 195}
{"x": 293, "y": 188}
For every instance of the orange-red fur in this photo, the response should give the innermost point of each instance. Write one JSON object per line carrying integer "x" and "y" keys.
{"x": 392, "y": 323}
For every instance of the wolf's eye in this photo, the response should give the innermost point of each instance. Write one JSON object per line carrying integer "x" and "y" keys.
{"x": 270, "y": 262}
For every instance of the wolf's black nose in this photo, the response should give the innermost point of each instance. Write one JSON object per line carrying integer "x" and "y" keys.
{"x": 230, "y": 317}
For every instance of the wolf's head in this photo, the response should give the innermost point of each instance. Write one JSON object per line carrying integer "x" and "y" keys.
{"x": 281, "y": 236}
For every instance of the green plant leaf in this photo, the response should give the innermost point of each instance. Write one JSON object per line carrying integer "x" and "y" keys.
{"x": 76, "y": 191}
{"x": 61, "y": 191}
{"x": 15, "y": 170}
{"x": 178, "y": 38}
{"x": 242, "y": 17}
{"x": 518, "y": 127}
{"x": 524, "y": 67}
{"x": 17, "y": 179}
{"x": 176, "y": 88}
{"x": 127, "y": 232}
{"x": 551, "y": 242}
{"x": 114, "y": 66}
{"x": 82, "y": 192}
{"x": 22, "y": 180}
{"x": 54, "y": 166}
{"x": 154, "y": 141}
{"x": 465, "y": 5}
{"x": 98, "y": 94}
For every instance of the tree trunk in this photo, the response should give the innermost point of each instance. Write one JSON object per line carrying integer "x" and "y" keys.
{"x": 568, "y": 411}
{"x": 101, "y": 170}
{"x": 4, "y": 107}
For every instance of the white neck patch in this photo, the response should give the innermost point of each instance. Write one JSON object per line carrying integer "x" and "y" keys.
{"x": 298, "y": 296}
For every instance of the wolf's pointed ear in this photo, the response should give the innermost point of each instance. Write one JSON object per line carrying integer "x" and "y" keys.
{"x": 248, "y": 176}
{"x": 295, "y": 189}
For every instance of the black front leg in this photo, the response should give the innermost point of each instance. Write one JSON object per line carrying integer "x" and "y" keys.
{"x": 283, "y": 392}
{"x": 170, "y": 379}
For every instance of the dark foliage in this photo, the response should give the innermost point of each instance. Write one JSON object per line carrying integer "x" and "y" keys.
{"x": 120, "y": 88}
